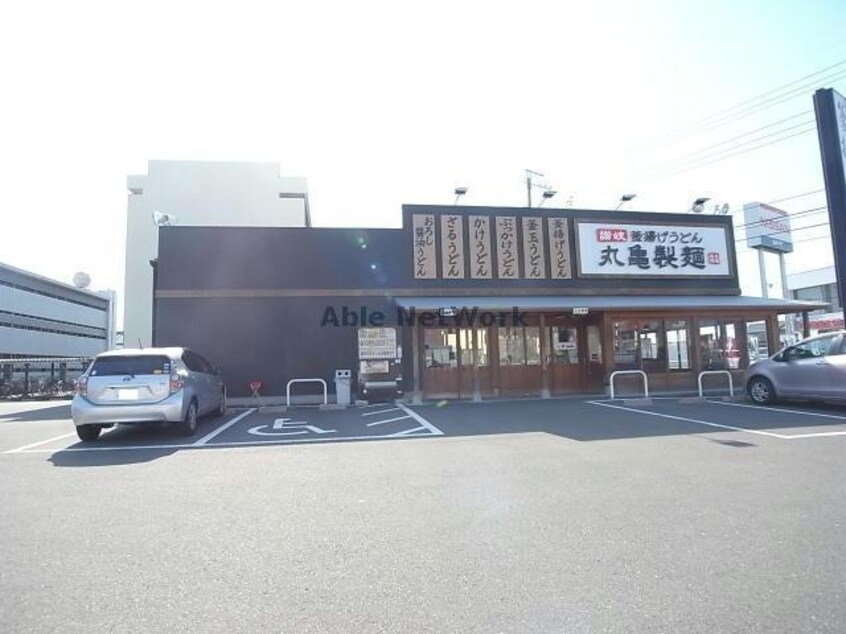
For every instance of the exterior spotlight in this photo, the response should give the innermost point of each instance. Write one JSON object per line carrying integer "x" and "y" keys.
{"x": 547, "y": 194}
{"x": 625, "y": 198}
{"x": 699, "y": 205}
{"x": 459, "y": 192}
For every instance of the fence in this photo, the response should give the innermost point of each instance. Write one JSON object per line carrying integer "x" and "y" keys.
{"x": 50, "y": 377}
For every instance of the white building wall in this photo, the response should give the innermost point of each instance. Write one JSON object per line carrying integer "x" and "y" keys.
{"x": 813, "y": 277}
{"x": 198, "y": 193}
{"x": 34, "y": 343}
{"x": 33, "y": 307}
{"x": 17, "y": 300}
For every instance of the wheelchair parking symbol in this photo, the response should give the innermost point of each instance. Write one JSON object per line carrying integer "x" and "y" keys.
{"x": 288, "y": 427}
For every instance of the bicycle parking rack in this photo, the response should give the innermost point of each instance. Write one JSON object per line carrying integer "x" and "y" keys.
{"x": 288, "y": 390}
{"x": 621, "y": 372}
{"x": 726, "y": 372}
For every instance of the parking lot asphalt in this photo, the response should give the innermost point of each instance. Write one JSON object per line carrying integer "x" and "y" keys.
{"x": 554, "y": 515}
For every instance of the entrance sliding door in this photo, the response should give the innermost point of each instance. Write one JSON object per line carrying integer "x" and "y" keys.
{"x": 474, "y": 362}
{"x": 456, "y": 362}
{"x": 574, "y": 357}
{"x": 520, "y": 370}
{"x": 564, "y": 354}
{"x": 441, "y": 374}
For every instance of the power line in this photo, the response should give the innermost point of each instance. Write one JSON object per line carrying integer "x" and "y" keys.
{"x": 769, "y": 92}
{"x": 796, "y": 230}
{"x": 769, "y": 103}
{"x": 747, "y": 106}
{"x": 781, "y": 200}
{"x": 684, "y": 162}
{"x": 796, "y": 214}
{"x": 695, "y": 164}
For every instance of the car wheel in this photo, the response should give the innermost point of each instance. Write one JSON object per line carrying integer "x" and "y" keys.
{"x": 221, "y": 410}
{"x": 760, "y": 390}
{"x": 188, "y": 426}
{"x": 88, "y": 433}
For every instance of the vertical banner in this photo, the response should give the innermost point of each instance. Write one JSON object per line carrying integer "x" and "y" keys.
{"x": 830, "y": 108}
{"x": 480, "y": 247}
{"x": 559, "y": 249}
{"x": 534, "y": 262}
{"x": 425, "y": 264}
{"x": 506, "y": 248}
{"x": 452, "y": 246}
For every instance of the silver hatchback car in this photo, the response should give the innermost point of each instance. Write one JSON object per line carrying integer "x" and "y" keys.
{"x": 811, "y": 369}
{"x": 146, "y": 385}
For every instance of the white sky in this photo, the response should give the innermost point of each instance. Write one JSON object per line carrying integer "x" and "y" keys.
{"x": 384, "y": 103}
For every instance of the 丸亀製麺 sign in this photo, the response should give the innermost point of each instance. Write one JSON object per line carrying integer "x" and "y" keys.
{"x": 612, "y": 249}
{"x": 377, "y": 343}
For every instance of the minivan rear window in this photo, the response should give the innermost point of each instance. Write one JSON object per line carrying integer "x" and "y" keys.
{"x": 134, "y": 366}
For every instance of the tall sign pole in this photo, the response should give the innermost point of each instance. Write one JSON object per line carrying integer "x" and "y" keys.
{"x": 830, "y": 108}
{"x": 768, "y": 231}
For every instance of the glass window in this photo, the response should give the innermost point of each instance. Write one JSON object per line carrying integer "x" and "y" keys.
{"x": 711, "y": 345}
{"x": 533, "y": 347}
{"x": 756, "y": 340}
{"x": 626, "y": 354}
{"x": 439, "y": 347}
{"x": 564, "y": 345}
{"x": 678, "y": 348}
{"x": 131, "y": 365}
{"x": 519, "y": 346}
{"x": 811, "y": 349}
{"x": 512, "y": 346}
{"x": 651, "y": 345}
{"x": 594, "y": 341}
{"x": 470, "y": 347}
{"x": 482, "y": 347}
{"x": 732, "y": 351}
{"x": 720, "y": 344}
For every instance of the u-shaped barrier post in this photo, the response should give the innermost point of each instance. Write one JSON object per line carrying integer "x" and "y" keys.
{"x": 640, "y": 372}
{"x": 288, "y": 390}
{"x": 726, "y": 372}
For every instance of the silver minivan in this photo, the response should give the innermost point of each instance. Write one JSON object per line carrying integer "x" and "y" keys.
{"x": 147, "y": 385}
{"x": 811, "y": 369}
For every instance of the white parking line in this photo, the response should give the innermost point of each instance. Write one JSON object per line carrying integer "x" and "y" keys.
{"x": 223, "y": 445}
{"x": 223, "y": 428}
{"x": 781, "y": 409}
{"x": 390, "y": 420}
{"x": 382, "y": 411}
{"x": 408, "y": 432}
{"x": 42, "y": 442}
{"x": 692, "y": 420}
{"x": 432, "y": 429}
{"x": 824, "y": 434}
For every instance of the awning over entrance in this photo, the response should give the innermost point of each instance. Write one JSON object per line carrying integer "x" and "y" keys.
{"x": 610, "y": 302}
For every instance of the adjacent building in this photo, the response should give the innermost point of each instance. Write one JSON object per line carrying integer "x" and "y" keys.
{"x": 467, "y": 302}
{"x": 49, "y": 329}
{"x": 819, "y": 285}
{"x": 192, "y": 193}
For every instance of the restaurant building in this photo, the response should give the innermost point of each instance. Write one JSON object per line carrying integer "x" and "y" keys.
{"x": 466, "y": 302}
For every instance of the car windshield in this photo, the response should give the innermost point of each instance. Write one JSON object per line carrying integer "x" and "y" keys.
{"x": 135, "y": 365}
